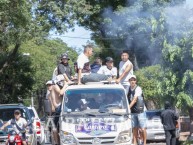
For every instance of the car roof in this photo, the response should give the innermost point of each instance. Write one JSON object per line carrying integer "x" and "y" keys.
{"x": 19, "y": 104}
{"x": 16, "y": 106}
{"x": 93, "y": 85}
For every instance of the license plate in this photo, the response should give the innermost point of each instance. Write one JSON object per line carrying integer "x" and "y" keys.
{"x": 95, "y": 128}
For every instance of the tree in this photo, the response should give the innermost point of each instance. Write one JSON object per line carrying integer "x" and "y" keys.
{"x": 21, "y": 21}
{"x": 33, "y": 67}
{"x": 149, "y": 79}
{"x": 134, "y": 25}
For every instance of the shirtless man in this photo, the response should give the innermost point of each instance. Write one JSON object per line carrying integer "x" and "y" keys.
{"x": 56, "y": 94}
{"x": 55, "y": 97}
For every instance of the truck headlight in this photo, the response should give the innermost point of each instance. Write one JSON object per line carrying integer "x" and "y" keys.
{"x": 67, "y": 138}
{"x": 124, "y": 136}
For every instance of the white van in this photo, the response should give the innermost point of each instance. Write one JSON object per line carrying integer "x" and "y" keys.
{"x": 38, "y": 126}
{"x": 95, "y": 114}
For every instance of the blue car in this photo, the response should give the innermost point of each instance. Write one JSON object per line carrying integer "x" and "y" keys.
{"x": 7, "y": 113}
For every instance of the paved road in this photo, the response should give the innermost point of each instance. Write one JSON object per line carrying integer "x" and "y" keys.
{"x": 154, "y": 143}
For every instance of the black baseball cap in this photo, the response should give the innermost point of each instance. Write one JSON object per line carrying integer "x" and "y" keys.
{"x": 109, "y": 59}
{"x": 65, "y": 56}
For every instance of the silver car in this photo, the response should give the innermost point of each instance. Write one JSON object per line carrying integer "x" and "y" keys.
{"x": 155, "y": 130}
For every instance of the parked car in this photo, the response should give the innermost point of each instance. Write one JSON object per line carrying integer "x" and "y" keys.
{"x": 38, "y": 126}
{"x": 155, "y": 130}
{"x": 7, "y": 113}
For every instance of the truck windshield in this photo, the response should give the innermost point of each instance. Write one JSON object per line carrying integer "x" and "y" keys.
{"x": 95, "y": 99}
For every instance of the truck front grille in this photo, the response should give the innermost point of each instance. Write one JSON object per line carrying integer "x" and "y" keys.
{"x": 89, "y": 140}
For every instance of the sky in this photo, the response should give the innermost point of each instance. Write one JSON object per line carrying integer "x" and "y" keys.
{"x": 76, "y": 38}
{"x": 80, "y": 35}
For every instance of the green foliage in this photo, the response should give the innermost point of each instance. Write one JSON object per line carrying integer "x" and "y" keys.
{"x": 149, "y": 79}
{"x": 32, "y": 67}
{"x": 16, "y": 81}
{"x": 45, "y": 57}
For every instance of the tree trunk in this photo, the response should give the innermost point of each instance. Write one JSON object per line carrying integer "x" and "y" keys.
{"x": 190, "y": 110}
{"x": 4, "y": 64}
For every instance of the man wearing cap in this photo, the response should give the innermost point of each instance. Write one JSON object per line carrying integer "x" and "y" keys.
{"x": 169, "y": 119}
{"x": 55, "y": 97}
{"x": 136, "y": 105}
{"x": 64, "y": 67}
{"x": 18, "y": 124}
{"x": 125, "y": 70}
{"x": 55, "y": 94}
{"x": 64, "y": 70}
{"x": 109, "y": 68}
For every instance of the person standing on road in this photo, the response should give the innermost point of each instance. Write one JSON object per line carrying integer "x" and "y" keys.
{"x": 169, "y": 119}
{"x": 136, "y": 104}
{"x": 125, "y": 70}
{"x": 84, "y": 70}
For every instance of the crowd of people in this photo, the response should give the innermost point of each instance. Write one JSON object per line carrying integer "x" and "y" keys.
{"x": 97, "y": 72}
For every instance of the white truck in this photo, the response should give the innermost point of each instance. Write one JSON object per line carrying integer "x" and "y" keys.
{"x": 95, "y": 114}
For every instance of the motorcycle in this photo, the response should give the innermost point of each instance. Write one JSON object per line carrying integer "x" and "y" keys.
{"x": 15, "y": 138}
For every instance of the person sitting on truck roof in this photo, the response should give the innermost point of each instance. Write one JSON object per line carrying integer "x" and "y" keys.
{"x": 96, "y": 65}
{"x": 109, "y": 68}
{"x": 63, "y": 71}
{"x": 83, "y": 68}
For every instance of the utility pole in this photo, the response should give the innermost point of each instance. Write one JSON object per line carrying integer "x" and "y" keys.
{"x": 32, "y": 101}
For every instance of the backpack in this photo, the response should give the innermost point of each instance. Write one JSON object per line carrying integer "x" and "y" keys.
{"x": 138, "y": 107}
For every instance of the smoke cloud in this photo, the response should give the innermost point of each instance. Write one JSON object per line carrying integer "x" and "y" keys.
{"x": 140, "y": 27}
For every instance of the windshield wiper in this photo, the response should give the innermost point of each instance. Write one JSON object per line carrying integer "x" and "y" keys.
{"x": 89, "y": 114}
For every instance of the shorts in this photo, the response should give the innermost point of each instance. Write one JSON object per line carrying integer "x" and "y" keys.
{"x": 139, "y": 120}
{"x": 23, "y": 137}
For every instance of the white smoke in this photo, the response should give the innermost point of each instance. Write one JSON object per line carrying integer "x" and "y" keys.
{"x": 140, "y": 22}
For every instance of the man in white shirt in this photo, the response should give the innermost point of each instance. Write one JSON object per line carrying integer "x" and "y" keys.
{"x": 84, "y": 70}
{"x": 18, "y": 124}
{"x": 109, "y": 68}
{"x": 125, "y": 70}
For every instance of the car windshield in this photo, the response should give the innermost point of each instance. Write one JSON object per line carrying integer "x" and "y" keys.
{"x": 8, "y": 113}
{"x": 153, "y": 114}
{"x": 101, "y": 100}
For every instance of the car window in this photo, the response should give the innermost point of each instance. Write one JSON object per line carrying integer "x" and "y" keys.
{"x": 153, "y": 114}
{"x": 31, "y": 113}
{"x": 8, "y": 113}
{"x": 88, "y": 99}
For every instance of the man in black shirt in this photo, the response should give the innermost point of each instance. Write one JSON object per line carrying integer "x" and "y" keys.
{"x": 136, "y": 104}
{"x": 169, "y": 119}
{"x": 63, "y": 67}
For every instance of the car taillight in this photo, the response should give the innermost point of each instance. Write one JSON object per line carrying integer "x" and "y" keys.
{"x": 38, "y": 127}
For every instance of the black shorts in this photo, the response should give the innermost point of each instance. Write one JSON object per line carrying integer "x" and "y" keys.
{"x": 23, "y": 137}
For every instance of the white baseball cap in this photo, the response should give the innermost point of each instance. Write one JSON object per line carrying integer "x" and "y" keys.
{"x": 133, "y": 76}
{"x": 50, "y": 82}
